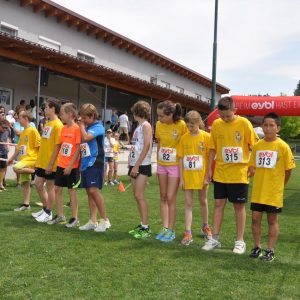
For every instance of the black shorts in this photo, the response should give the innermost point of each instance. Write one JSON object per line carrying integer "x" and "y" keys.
{"x": 70, "y": 181}
{"x": 234, "y": 192}
{"x": 144, "y": 170}
{"x": 265, "y": 208}
{"x": 41, "y": 173}
{"x": 3, "y": 164}
{"x": 109, "y": 159}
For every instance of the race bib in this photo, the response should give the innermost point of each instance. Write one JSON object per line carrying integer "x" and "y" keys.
{"x": 266, "y": 159}
{"x": 22, "y": 150}
{"x": 167, "y": 154}
{"x": 47, "y": 132}
{"x": 193, "y": 162}
{"x": 132, "y": 156}
{"x": 85, "y": 150}
{"x": 232, "y": 155}
{"x": 66, "y": 149}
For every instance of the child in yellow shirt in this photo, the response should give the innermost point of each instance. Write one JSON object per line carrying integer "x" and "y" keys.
{"x": 27, "y": 148}
{"x": 271, "y": 165}
{"x": 193, "y": 153}
{"x": 232, "y": 137}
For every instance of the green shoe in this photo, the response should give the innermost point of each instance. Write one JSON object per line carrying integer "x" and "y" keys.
{"x": 143, "y": 233}
{"x": 135, "y": 230}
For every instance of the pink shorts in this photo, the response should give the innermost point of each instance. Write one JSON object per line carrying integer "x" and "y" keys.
{"x": 172, "y": 171}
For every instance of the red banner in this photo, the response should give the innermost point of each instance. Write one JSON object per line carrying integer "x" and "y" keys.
{"x": 260, "y": 106}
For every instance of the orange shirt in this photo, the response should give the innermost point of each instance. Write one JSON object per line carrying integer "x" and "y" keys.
{"x": 70, "y": 137}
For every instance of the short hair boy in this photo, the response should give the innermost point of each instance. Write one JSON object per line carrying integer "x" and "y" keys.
{"x": 271, "y": 165}
{"x": 231, "y": 138}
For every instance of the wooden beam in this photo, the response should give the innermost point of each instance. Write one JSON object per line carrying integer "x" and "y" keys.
{"x": 93, "y": 31}
{"x": 28, "y": 2}
{"x": 51, "y": 12}
{"x": 73, "y": 22}
{"x": 40, "y": 7}
{"x": 63, "y": 18}
{"x": 83, "y": 27}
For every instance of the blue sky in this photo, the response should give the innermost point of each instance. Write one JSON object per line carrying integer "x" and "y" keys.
{"x": 258, "y": 40}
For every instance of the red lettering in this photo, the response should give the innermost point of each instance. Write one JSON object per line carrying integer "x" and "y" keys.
{"x": 231, "y": 150}
{"x": 265, "y": 154}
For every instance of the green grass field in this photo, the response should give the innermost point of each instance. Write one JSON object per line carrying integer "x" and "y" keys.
{"x": 39, "y": 261}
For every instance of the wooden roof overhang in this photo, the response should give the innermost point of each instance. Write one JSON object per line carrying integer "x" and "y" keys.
{"x": 82, "y": 24}
{"x": 33, "y": 54}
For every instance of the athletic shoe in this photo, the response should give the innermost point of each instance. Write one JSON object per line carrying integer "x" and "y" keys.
{"x": 105, "y": 182}
{"x": 206, "y": 232}
{"x": 89, "y": 226}
{"x": 110, "y": 183}
{"x": 36, "y": 214}
{"x": 103, "y": 225}
{"x": 187, "y": 239}
{"x": 143, "y": 233}
{"x": 57, "y": 220}
{"x": 72, "y": 223}
{"x": 116, "y": 181}
{"x": 44, "y": 217}
{"x": 268, "y": 256}
{"x": 239, "y": 247}
{"x": 255, "y": 252}
{"x": 18, "y": 185}
{"x": 169, "y": 236}
{"x": 135, "y": 230}
{"x": 161, "y": 234}
{"x": 22, "y": 207}
{"x": 211, "y": 244}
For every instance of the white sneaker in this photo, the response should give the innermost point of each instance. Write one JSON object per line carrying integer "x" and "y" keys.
{"x": 44, "y": 217}
{"x": 88, "y": 226}
{"x": 103, "y": 225}
{"x": 36, "y": 214}
{"x": 211, "y": 244}
{"x": 22, "y": 208}
{"x": 110, "y": 183}
{"x": 239, "y": 247}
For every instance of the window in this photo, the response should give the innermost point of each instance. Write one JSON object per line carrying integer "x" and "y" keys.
{"x": 180, "y": 90}
{"x": 153, "y": 80}
{"x": 86, "y": 56}
{"x": 9, "y": 29}
{"x": 49, "y": 43}
{"x": 199, "y": 97}
{"x": 165, "y": 84}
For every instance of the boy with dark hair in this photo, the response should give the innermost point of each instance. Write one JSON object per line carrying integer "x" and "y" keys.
{"x": 271, "y": 165}
{"x": 47, "y": 160}
{"x": 231, "y": 138}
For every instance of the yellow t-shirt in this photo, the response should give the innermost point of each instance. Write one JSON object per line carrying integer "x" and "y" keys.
{"x": 50, "y": 138}
{"x": 116, "y": 150}
{"x": 169, "y": 136}
{"x": 231, "y": 141}
{"x": 194, "y": 151}
{"x": 271, "y": 160}
{"x": 28, "y": 145}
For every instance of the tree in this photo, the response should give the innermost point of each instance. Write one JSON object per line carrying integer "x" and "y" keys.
{"x": 290, "y": 126}
{"x": 297, "y": 90}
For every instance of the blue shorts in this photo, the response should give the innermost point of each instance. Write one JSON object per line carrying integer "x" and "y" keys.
{"x": 92, "y": 177}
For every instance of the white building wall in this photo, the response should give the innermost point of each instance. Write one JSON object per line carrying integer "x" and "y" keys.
{"x": 32, "y": 25}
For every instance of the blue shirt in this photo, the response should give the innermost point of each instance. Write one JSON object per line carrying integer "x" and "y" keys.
{"x": 92, "y": 152}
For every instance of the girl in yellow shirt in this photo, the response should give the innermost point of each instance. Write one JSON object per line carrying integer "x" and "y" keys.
{"x": 193, "y": 152}
{"x": 169, "y": 129}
